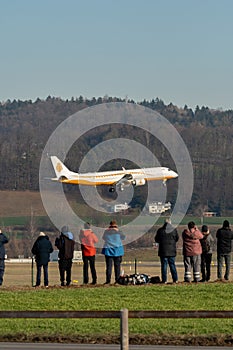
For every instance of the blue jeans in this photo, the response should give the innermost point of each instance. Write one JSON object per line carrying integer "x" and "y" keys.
{"x": 227, "y": 258}
{"x": 2, "y": 269}
{"x": 169, "y": 260}
{"x": 116, "y": 260}
{"x": 38, "y": 275}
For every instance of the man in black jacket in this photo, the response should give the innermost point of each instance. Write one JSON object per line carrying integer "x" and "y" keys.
{"x": 42, "y": 249}
{"x": 65, "y": 245}
{"x": 224, "y": 237}
{"x": 167, "y": 237}
{"x": 3, "y": 241}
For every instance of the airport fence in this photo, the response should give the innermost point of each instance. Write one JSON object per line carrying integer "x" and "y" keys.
{"x": 123, "y": 315}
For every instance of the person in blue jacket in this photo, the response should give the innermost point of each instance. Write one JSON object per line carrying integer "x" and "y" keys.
{"x": 3, "y": 241}
{"x": 42, "y": 249}
{"x": 113, "y": 250}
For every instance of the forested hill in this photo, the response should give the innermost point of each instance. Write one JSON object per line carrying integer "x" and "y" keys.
{"x": 25, "y": 127}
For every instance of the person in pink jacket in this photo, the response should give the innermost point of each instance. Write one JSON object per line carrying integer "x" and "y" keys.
{"x": 192, "y": 252}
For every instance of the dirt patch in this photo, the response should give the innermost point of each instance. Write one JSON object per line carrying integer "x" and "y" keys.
{"x": 137, "y": 339}
{"x": 21, "y": 203}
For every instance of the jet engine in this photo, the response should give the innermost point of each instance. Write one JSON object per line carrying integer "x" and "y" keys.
{"x": 138, "y": 182}
{"x": 112, "y": 189}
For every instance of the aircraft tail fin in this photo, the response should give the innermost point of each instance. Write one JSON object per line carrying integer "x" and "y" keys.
{"x": 61, "y": 171}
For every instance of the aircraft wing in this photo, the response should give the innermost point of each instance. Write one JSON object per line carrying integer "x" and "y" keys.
{"x": 125, "y": 181}
{"x": 130, "y": 179}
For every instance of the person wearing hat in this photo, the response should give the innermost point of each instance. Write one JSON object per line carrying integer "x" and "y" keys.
{"x": 42, "y": 249}
{"x": 3, "y": 241}
{"x": 224, "y": 238}
{"x": 206, "y": 256}
{"x": 113, "y": 250}
{"x": 65, "y": 245}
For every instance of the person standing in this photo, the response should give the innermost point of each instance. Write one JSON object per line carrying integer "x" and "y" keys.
{"x": 192, "y": 252}
{"x": 113, "y": 250}
{"x": 65, "y": 245}
{"x": 206, "y": 256}
{"x": 167, "y": 237}
{"x": 88, "y": 240}
{"x": 42, "y": 249}
{"x": 3, "y": 241}
{"x": 224, "y": 237}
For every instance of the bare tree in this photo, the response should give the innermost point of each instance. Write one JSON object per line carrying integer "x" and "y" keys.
{"x": 31, "y": 228}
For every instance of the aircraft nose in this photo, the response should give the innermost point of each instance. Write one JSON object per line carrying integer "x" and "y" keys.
{"x": 174, "y": 174}
{"x": 171, "y": 173}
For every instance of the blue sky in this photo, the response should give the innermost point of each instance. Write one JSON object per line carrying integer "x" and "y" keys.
{"x": 178, "y": 50}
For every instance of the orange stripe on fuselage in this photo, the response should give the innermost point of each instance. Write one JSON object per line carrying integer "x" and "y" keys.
{"x": 88, "y": 183}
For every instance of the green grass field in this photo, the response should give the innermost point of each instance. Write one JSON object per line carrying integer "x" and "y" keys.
{"x": 17, "y": 294}
{"x": 144, "y": 220}
{"x": 211, "y": 296}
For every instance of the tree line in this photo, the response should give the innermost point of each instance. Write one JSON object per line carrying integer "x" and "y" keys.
{"x": 25, "y": 127}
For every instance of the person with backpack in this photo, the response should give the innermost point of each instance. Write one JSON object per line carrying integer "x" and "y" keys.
{"x": 42, "y": 249}
{"x": 167, "y": 237}
{"x": 65, "y": 245}
{"x": 88, "y": 240}
{"x": 206, "y": 256}
{"x": 224, "y": 238}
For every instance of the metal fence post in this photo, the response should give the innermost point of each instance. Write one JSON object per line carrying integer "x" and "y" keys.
{"x": 124, "y": 329}
{"x": 32, "y": 271}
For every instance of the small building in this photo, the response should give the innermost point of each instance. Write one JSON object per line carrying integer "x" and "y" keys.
{"x": 209, "y": 213}
{"x": 77, "y": 255}
{"x": 119, "y": 207}
{"x": 159, "y": 207}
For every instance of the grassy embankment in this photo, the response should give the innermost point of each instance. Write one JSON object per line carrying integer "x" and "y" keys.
{"x": 146, "y": 220}
{"x": 212, "y": 296}
{"x": 16, "y": 208}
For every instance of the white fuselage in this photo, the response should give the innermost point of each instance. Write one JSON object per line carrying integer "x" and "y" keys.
{"x": 124, "y": 177}
{"x": 112, "y": 177}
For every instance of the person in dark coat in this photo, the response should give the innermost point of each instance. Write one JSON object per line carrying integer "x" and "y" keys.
{"x": 42, "y": 249}
{"x": 224, "y": 238}
{"x": 65, "y": 245}
{"x": 3, "y": 241}
{"x": 167, "y": 237}
{"x": 207, "y": 251}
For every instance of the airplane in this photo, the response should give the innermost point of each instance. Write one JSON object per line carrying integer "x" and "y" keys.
{"x": 116, "y": 178}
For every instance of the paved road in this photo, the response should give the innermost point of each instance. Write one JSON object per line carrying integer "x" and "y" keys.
{"x": 55, "y": 346}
